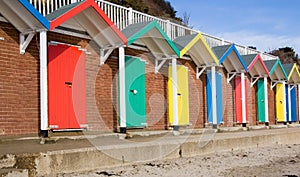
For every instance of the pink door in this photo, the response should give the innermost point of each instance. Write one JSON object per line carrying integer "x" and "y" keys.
{"x": 66, "y": 87}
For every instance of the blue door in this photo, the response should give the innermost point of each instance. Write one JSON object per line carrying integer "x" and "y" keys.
{"x": 287, "y": 103}
{"x": 293, "y": 104}
{"x": 218, "y": 97}
{"x": 292, "y": 94}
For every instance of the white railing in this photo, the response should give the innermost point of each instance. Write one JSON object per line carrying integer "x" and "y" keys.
{"x": 46, "y": 7}
{"x": 122, "y": 17}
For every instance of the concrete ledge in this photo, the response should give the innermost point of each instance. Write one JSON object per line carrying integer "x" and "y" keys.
{"x": 7, "y": 161}
{"x": 149, "y": 133}
{"x": 278, "y": 126}
{"x": 13, "y": 172}
{"x": 259, "y": 127}
{"x": 293, "y": 125}
{"x": 85, "y": 159}
{"x": 232, "y": 129}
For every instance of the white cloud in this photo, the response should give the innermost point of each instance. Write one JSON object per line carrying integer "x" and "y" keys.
{"x": 263, "y": 42}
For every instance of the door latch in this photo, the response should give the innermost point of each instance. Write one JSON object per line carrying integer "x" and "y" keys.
{"x": 134, "y": 91}
{"x": 68, "y": 84}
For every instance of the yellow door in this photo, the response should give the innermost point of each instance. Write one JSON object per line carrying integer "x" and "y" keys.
{"x": 182, "y": 96}
{"x": 280, "y": 103}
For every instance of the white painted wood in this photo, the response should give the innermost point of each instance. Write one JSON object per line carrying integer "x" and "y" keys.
{"x": 266, "y": 99}
{"x": 25, "y": 41}
{"x": 158, "y": 65}
{"x": 43, "y": 80}
{"x": 214, "y": 95}
{"x": 289, "y": 103}
{"x": 122, "y": 87}
{"x": 244, "y": 111}
{"x": 284, "y": 101}
{"x": 174, "y": 89}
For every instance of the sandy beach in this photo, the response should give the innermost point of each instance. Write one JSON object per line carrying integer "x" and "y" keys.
{"x": 280, "y": 160}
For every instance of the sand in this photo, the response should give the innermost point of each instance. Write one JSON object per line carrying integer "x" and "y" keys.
{"x": 280, "y": 160}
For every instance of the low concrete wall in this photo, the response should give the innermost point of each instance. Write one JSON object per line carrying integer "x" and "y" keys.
{"x": 78, "y": 160}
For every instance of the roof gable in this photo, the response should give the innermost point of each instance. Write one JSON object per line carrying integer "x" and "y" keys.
{"x": 276, "y": 70}
{"x": 88, "y": 16}
{"x": 229, "y": 56}
{"x": 196, "y": 46}
{"x": 152, "y": 35}
{"x": 256, "y": 66}
{"x": 23, "y": 16}
{"x": 292, "y": 72}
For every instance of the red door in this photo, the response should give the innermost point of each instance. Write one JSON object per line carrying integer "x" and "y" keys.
{"x": 238, "y": 100}
{"x": 66, "y": 87}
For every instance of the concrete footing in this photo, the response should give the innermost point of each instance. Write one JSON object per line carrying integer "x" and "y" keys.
{"x": 13, "y": 172}
{"x": 278, "y": 126}
{"x": 85, "y": 159}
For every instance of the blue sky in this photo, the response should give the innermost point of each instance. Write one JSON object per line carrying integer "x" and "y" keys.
{"x": 266, "y": 24}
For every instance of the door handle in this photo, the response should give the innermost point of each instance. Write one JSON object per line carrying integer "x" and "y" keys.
{"x": 179, "y": 94}
{"x": 262, "y": 100}
{"x": 134, "y": 91}
{"x": 68, "y": 84}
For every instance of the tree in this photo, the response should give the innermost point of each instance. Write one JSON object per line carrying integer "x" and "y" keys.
{"x": 186, "y": 19}
{"x": 159, "y": 8}
{"x": 286, "y": 55}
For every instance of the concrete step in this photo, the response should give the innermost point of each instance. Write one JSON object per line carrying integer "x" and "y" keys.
{"x": 278, "y": 126}
{"x": 293, "y": 125}
{"x": 7, "y": 161}
{"x": 232, "y": 129}
{"x": 13, "y": 172}
{"x": 258, "y": 127}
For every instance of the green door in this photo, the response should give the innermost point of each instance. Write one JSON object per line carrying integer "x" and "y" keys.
{"x": 261, "y": 101}
{"x": 135, "y": 92}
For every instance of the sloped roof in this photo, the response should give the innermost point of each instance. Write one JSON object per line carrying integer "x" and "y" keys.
{"x": 87, "y": 16}
{"x": 196, "y": 47}
{"x": 276, "y": 70}
{"x": 23, "y": 16}
{"x": 229, "y": 56}
{"x": 63, "y": 10}
{"x": 256, "y": 66}
{"x": 288, "y": 68}
{"x": 292, "y": 72}
{"x": 151, "y": 35}
{"x": 248, "y": 59}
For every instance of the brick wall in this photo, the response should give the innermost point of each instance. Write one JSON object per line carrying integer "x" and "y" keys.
{"x": 272, "y": 104}
{"x": 228, "y": 99}
{"x": 19, "y": 84}
{"x": 252, "y": 102}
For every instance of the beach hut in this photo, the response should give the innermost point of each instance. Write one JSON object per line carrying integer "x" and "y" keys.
{"x": 151, "y": 35}
{"x": 67, "y": 63}
{"x": 292, "y": 72}
{"x": 259, "y": 76}
{"x": 195, "y": 47}
{"x": 278, "y": 78}
{"x": 236, "y": 68}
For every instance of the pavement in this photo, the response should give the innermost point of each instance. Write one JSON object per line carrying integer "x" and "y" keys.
{"x": 83, "y": 151}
